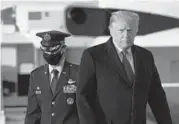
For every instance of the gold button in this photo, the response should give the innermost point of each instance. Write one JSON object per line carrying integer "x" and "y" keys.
{"x": 53, "y": 103}
{"x": 53, "y": 114}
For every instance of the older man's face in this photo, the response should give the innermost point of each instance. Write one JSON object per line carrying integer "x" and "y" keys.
{"x": 123, "y": 33}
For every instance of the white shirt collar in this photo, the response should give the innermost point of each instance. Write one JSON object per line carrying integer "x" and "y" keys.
{"x": 59, "y": 67}
{"x": 119, "y": 50}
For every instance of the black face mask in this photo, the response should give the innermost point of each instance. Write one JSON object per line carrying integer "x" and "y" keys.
{"x": 52, "y": 59}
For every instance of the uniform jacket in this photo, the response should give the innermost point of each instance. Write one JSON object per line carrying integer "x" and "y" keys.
{"x": 44, "y": 107}
{"x": 105, "y": 95}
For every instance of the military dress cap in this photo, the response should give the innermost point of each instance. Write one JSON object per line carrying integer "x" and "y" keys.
{"x": 52, "y": 38}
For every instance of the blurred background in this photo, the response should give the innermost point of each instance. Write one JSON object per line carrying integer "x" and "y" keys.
{"x": 20, "y": 48}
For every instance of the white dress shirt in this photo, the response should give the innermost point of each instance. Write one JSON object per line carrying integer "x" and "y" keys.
{"x": 59, "y": 68}
{"x": 129, "y": 56}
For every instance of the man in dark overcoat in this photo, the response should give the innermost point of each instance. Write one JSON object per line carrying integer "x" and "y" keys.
{"x": 117, "y": 79}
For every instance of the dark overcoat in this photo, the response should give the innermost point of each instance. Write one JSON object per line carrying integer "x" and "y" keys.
{"x": 105, "y": 95}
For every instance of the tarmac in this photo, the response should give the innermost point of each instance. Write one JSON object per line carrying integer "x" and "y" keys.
{"x": 15, "y": 113}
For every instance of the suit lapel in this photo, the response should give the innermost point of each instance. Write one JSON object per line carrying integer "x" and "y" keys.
{"x": 114, "y": 61}
{"x": 137, "y": 60}
{"x": 46, "y": 79}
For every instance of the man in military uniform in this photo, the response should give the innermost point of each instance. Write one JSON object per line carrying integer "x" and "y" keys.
{"x": 52, "y": 88}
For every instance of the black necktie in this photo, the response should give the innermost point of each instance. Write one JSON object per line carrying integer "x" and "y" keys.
{"x": 54, "y": 80}
{"x": 127, "y": 67}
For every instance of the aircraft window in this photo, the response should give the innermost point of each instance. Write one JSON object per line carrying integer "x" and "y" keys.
{"x": 46, "y": 14}
{"x": 35, "y": 15}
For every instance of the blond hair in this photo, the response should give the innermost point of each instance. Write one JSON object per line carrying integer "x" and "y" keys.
{"x": 127, "y": 16}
